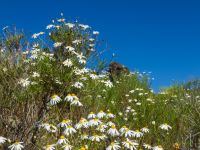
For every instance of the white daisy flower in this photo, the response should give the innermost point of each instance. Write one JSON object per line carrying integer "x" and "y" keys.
{"x": 93, "y": 76}
{"x": 128, "y": 133}
{"x": 153, "y": 122}
{"x": 78, "y": 85}
{"x": 83, "y": 123}
{"x": 55, "y": 99}
{"x": 91, "y": 49}
{"x": 108, "y": 83}
{"x": 138, "y": 103}
{"x": 113, "y": 146}
{"x": 69, "y": 48}
{"x": 50, "y": 26}
{"x": 91, "y": 45}
{"x": 120, "y": 113}
{"x": 129, "y": 144}
{"x": 2, "y": 50}
{"x": 70, "y": 25}
{"x": 102, "y": 128}
{"x": 137, "y": 134}
{"x": 95, "y": 138}
{"x": 67, "y": 63}
{"x": 123, "y": 129}
{"x": 110, "y": 115}
{"x": 57, "y": 27}
{"x": 57, "y": 44}
{"x": 58, "y": 81}
{"x": 83, "y": 78}
{"x": 103, "y": 137}
{"x": 69, "y": 130}
{"x": 95, "y": 122}
{"x": 49, "y": 147}
{"x": 147, "y": 146}
{"x": 91, "y": 40}
{"x": 71, "y": 97}
{"x": 96, "y": 32}
{"x": 128, "y": 107}
{"x": 165, "y": 127}
{"x": 110, "y": 123}
{"x": 84, "y": 27}
{"x": 65, "y": 123}
{"x": 24, "y": 82}
{"x": 2, "y": 140}
{"x": 82, "y": 61}
{"x": 25, "y": 52}
{"x": 101, "y": 114}
{"x": 84, "y": 137}
{"x": 80, "y": 56}
{"x": 35, "y": 74}
{"x": 61, "y": 20}
{"x": 16, "y": 146}
{"x": 113, "y": 131}
{"x": 76, "y": 102}
{"x": 34, "y": 56}
{"x": 62, "y": 140}
{"x": 52, "y": 128}
{"x": 159, "y": 147}
{"x": 35, "y": 35}
{"x": 91, "y": 115}
{"x": 49, "y": 127}
{"x": 76, "y": 42}
{"x": 67, "y": 147}
{"x": 145, "y": 130}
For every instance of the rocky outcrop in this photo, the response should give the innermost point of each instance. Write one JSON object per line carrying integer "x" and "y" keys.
{"x": 117, "y": 69}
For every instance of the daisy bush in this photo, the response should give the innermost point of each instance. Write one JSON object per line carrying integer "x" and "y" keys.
{"x": 57, "y": 95}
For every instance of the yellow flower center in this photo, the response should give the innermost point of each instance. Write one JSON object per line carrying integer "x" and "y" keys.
{"x": 54, "y": 96}
{"x": 48, "y": 146}
{"x": 126, "y": 129}
{"x": 82, "y": 119}
{"x": 64, "y": 121}
{"x": 112, "y": 144}
{"x": 176, "y": 146}
{"x": 62, "y": 137}
{"x": 137, "y": 131}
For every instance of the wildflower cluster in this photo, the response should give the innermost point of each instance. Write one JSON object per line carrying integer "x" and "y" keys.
{"x": 53, "y": 100}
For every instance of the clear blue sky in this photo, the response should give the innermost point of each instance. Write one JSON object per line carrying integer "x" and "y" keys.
{"x": 147, "y": 35}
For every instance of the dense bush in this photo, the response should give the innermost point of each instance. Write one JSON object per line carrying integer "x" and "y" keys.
{"x": 50, "y": 99}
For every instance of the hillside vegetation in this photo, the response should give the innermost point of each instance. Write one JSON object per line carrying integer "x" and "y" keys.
{"x": 57, "y": 93}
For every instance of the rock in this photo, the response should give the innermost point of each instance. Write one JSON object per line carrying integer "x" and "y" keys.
{"x": 116, "y": 69}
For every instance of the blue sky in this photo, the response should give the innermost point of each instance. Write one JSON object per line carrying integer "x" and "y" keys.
{"x": 159, "y": 36}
